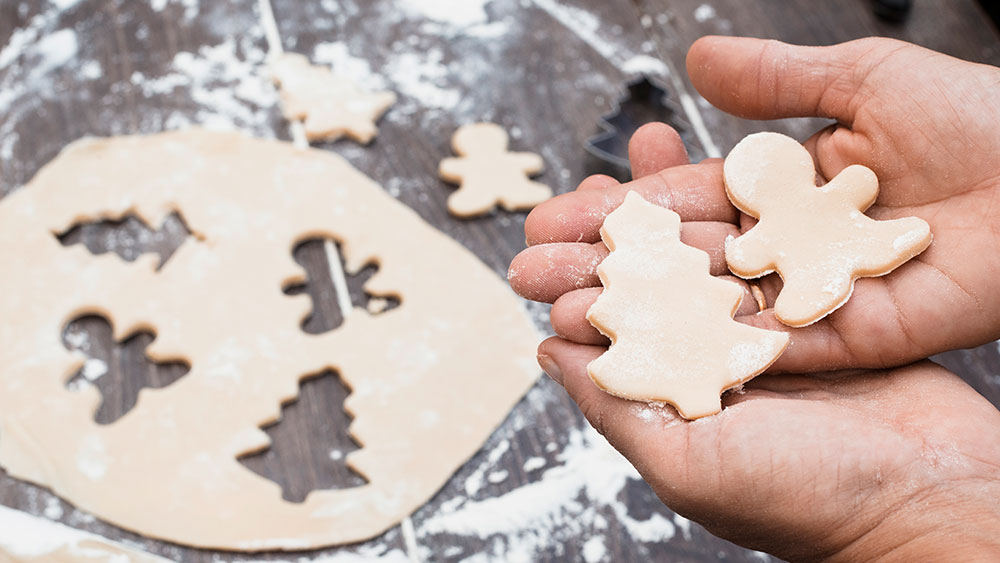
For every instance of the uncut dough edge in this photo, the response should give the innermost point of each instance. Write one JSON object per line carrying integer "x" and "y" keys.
{"x": 430, "y": 380}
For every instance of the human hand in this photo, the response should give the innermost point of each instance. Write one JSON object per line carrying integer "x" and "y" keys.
{"x": 927, "y": 124}
{"x": 900, "y": 465}
{"x": 852, "y": 466}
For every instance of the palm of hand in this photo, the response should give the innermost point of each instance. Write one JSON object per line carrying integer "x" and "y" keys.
{"x": 859, "y": 465}
{"x": 928, "y": 137}
{"x": 819, "y": 459}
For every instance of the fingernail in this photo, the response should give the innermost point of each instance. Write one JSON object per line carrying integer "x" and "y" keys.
{"x": 550, "y": 368}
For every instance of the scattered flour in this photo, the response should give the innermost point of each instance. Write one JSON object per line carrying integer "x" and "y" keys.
{"x": 533, "y": 463}
{"x": 475, "y": 482}
{"x": 684, "y": 524}
{"x": 645, "y": 64}
{"x": 55, "y": 50}
{"x": 91, "y": 70}
{"x": 703, "y": 13}
{"x": 92, "y": 459}
{"x": 588, "y": 27}
{"x": 227, "y": 87}
{"x": 424, "y": 78}
{"x": 78, "y": 340}
{"x": 562, "y": 505}
{"x": 53, "y": 508}
{"x": 458, "y": 14}
{"x": 26, "y": 536}
{"x": 191, "y": 7}
{"x": 338, "y": 57}
{"x": 63, "y": 5}
{"x": 93, "y": 369}
{"x": 498, "y": 476}
{"x": 594, "y": 550}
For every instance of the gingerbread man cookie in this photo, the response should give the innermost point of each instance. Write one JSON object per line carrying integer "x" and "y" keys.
{"x": 673, "y": 337}
{"x": 332, "y": 106}
{"x": 487, "y": 174}
{"x": 817, "y": 238}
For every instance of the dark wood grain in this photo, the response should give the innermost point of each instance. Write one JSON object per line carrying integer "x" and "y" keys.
{"x": 543, "y": 72}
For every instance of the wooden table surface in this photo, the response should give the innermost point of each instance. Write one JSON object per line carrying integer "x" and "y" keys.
{"x": 543, "y": 488}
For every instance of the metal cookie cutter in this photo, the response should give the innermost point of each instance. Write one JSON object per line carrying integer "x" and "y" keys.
{"x": 646, "y": 100}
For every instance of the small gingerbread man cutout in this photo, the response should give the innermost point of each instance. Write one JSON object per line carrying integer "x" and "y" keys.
{"x": 817, "y": 238}
{"x": 487, "y": 174}
{"x": 332, "y": 106}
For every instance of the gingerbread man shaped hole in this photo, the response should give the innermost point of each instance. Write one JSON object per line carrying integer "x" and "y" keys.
{"x": 488, "y": 175}
{"x": 817, "y": 238}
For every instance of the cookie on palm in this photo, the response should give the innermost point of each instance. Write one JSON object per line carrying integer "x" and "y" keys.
{"x": 673, "y": 337}
{"x": 489, "y": 175}
{"x": 817, "y": 238}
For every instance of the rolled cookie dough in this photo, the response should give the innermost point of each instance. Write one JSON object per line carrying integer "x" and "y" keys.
{"x": 817, "y": 238}
{"x": 429, "y": 379}
{"x": 673, "y": 337}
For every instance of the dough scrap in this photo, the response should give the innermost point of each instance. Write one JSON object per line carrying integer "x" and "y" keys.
{"x": 673, "y": 337}
{"x": 817, "y": 238}
{"x": 29, "y": 539}
{"x": 332, "y": 106}
{"x": 430, "y": 379}
{"x": 488, "y": 175}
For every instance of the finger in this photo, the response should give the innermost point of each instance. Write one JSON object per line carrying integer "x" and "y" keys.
{"x": 597, "y": 182}
{"x": 569, "y": 317}
{"x": 544, "y": 272}
{"x": 569, "y": 313}
{"x": 655, "y": 147}
{"x": 836, "y": 147}
{"x": 694, "y": 191}
{"x": 762, "y": 79}
{"x": 626, "y": 424}
{"x": 677, "y": 457}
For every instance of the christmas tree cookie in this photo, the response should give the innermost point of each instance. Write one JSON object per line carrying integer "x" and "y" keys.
{"x": 670, "y": 322}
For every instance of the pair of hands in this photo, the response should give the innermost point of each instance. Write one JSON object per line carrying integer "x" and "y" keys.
{"x": 836, "y": 452}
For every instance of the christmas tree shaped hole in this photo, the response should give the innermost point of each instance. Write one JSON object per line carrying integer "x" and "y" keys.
{"x": 310, "y": 443}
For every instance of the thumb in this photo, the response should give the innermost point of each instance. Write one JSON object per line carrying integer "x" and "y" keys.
{"x": 641, "y": 432}
{"x": 766, "y": 79}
